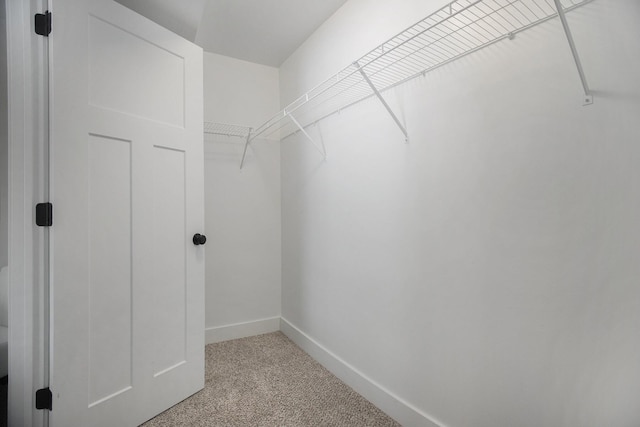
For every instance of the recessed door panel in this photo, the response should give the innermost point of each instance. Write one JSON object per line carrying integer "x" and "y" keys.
{"x": 130, "y": 74}
{"x": 110, "y": 284}
{"x": 170, "y": 246}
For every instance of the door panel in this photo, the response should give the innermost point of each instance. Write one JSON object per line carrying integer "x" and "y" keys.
{"x": 170, "y": 245}
{"x": 149, "y": 70}
{"x": 110, "y": 266}
{"x": 127, "y": 187}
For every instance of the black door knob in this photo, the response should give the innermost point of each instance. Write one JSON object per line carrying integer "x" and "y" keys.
{"x": 199, "y": 239}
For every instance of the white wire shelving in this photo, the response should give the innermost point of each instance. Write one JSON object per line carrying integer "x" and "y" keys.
{"x": 458, "y": 29}
{"x": 225, "y": 129}
{"x": 229, "y": 130}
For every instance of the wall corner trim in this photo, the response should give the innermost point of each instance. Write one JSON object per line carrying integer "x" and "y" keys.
{"x": 241, "y": 330}
{"x": 398, "y": 409}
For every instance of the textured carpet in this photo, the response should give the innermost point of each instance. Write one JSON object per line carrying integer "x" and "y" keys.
{"x": 268, "y": 381}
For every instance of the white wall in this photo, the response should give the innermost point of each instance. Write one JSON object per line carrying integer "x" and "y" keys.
{"x": 486, "y": 273}
{"x": 4, "y": 172}
{"x": 4, "y": 140}
{"x": 242, "y": 207}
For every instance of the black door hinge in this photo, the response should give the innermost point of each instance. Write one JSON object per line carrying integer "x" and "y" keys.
{"x": 44, "y": 399}
{"x": 43, "y": 23}
{"x": 44, "y": 214}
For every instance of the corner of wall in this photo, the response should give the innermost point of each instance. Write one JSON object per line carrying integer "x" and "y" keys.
{"x": 241, "y": 330}
{"x": 394, "y": 406}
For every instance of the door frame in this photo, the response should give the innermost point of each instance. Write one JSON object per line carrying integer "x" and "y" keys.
{"x": 28, "y": 169}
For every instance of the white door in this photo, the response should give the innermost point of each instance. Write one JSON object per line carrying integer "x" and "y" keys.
{"x": 127, "y": 189}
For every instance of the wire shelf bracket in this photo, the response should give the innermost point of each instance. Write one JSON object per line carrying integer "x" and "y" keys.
{"x": 588, "y": 97}
{"x": 246, "y": 145}
{"x": 382, "y": 100}
{"x": 321, "y": 148}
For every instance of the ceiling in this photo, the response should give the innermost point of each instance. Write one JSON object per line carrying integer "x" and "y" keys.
{"x": 261, "y": 31}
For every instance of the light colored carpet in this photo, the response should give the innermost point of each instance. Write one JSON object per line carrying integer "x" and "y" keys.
{"x": 267, "y": 380}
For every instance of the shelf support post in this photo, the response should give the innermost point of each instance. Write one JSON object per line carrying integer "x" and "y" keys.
{"x": 588, "y": 98}
{"x": 322, "y": 150}
{"x": 246, "y": 145}
{"x": 379, "y": 95}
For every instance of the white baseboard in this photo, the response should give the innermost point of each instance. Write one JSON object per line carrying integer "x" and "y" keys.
{"x": 392, "y": 405}
{"x": 241, "y": 330}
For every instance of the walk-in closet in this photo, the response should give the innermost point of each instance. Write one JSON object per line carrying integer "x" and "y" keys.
{"x": 303, "y": 213}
